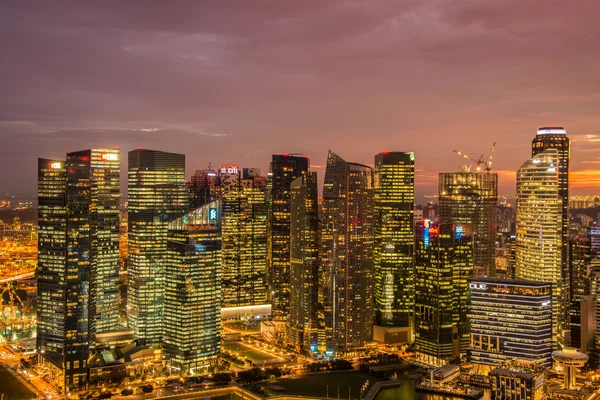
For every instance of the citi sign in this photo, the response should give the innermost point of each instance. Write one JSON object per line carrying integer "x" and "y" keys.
{"x": 478, "y": 286}
{"x": 229, "y": 169}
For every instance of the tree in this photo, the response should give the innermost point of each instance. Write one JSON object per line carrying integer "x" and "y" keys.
{"x": 147, "y": 389}
{"x": 252, "y": 375}
{"x": 273, "y": 371}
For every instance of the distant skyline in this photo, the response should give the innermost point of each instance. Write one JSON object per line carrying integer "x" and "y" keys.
{"x": 234, "y": 82}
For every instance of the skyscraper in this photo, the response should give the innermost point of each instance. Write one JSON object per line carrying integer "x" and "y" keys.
{"x": 192, "y": 305}
{"x": 203, "y": 187}
{"x": 347, "y": 253}
{"x": 443, "y": 263}
{"x": 470, "y": 198}
{"x": 304, "y": 269}
{"x": 284, "y": 169}
{"x": 510, "y": 319}
{"x": 556, "y": 138}
{"x": 244, "y": 236}
{"x": 393, "y": 250}
{"x": 52, "y": 257}
{"x": 539, "y": 221}
{"x": 86, "y": 303}
{"x": 156, "y": 195}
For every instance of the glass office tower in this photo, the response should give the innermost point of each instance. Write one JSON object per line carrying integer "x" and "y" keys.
{"x": 156, "y": 195}
{"x": 347, "y": 254}
{"x": 393, "y": 250}
{"x": 52, "y": 256}
{"x": 284, "y": 169}
{"x": 510, "y": 319}
{"x": 443, "y": 263}
{"x": 556, "y": 138}
{"x": 88, "y": 282}
{"x": 303, "y": 321}
{"x": 471, "y": 198}
{"x": 192, "y": 305}
{"x": 244, "y": 243}
{"x": 539, "y": 221}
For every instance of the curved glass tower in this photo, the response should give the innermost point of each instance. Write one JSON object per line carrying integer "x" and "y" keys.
{"x": 538, "y": 253}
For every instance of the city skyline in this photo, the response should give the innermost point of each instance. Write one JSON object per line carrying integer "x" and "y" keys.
{"x": 218, "y": 86}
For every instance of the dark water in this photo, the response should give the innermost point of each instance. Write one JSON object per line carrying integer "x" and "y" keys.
{"x": 407, "y": 392}
{"x": 11, "y": 388}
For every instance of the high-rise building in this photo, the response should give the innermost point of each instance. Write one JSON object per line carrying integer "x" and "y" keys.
{"x": 303, "y": 321}
{"x": 538, "y": 242}
{"x": 471, "y": 198}
{"x": 556, "y": 138}
{"x": 203, "y": 187}
{"x": 443, "y": 263}
{"x": 192, "y": 304}
{"x": 510, "y": 319}
{"x": 582, "y": 307}
{"x": 284, "y": 169}
{"x": 244, "y": 236}
{"x": 156, "y": 195}
{"x": 84, "y": 234}
{"x": 393, "y": 250}
{"x": 347, "y": 253}
{"x": 52, "y": 257}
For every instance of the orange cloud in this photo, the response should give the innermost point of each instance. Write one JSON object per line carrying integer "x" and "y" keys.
{"x": 587, "y": 178}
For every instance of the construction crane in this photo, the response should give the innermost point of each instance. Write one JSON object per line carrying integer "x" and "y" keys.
{"x": 481, "y": 161}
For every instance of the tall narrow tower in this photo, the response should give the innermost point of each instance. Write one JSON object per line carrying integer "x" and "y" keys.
{"x": 347, "y": 253}
{"x": 284, "y": 169}
{"x": 304, "y": 267}
{"x": 394, "y": 244}
{"x": 78, "y": 267}
{"x": 539, "y": 221}
{"x": 156, "y": 195}
{"x": 556, "y": 138}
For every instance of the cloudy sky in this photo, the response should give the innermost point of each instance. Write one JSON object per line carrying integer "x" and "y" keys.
{"x": 236, "y": 81}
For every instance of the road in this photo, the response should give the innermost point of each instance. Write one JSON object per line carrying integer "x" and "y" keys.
{"x": 27, "y": 275}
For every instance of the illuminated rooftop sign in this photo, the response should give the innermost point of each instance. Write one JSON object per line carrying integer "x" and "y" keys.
{"x": 55, "y": 165}
{"x": 558, "y": 130}
{"x": 229, "y": 169}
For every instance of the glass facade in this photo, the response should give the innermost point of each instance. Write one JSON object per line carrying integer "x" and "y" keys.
{"x": 538, "y": 242}
{"x": 79, "y": 260}
{"x": 443, "y": 263}
{"x": 347, "y": 254}
{"x": 510, "y": 319}
{"x": 394, "y": 241}
{"x": 303, "y": 322}
{"x": 284, "y": 169}
{"x": 471, "y": 198}
{"x": 192, "y": 304}
{"x": 52, "y": 255}
{"x": 156, "y": 195}
{"x": 244, "y": 236}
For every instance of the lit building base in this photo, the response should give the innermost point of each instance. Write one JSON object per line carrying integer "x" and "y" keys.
{"x": 245, "y": 312}
{"x": 392, "y": 335}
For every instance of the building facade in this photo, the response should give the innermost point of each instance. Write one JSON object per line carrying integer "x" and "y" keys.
{"x": 443, "y": 264}
{"x": 156, "y": 195}
{"x": 539, "y": 221}
{"x": 244, "y": 236}
{"x": 346, "y": 254}
{"x": 284, "y": 169}
{"x": 192, "y": 303}
{"x": 556, "y": 138}
{"x": 303, "y": 322}
{"x": 470, "y": 198}
{"x": 394, "y": 244}
{"x": 79, "y": 263}
{"x": 510, "y": 319}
